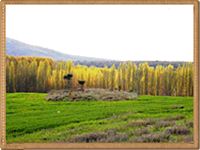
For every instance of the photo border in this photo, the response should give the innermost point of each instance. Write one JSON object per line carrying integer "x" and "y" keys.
{"x": 3, "y": 144}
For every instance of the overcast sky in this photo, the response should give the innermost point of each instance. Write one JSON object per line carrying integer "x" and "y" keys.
{"x": 121, "y": 32}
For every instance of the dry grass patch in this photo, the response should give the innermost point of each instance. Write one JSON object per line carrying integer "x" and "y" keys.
{"x": 146, "y": 122}
{"x": 153, "y": 138}
{"x": 108, "y": 136}
{"x": 177, "y": 107}
{"x": 189, "y": 124}
{"x": 188, "y": 139}
{"x": 90, "y": 94}
{"x": 141, "y": 131}
{"x": 177, "y": 130}
{"x": 163, "y": 123}
{"x": 89, "y": 138}
{"x": 178, "y": 117}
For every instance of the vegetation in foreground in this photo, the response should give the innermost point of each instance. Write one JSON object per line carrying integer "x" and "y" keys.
{"x": 30, "y": 118}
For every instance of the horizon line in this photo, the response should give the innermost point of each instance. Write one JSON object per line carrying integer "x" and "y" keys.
{"x": 103, "y": 59}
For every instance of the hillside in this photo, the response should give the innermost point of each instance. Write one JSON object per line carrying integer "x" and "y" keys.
{"x": 17, "y": 48}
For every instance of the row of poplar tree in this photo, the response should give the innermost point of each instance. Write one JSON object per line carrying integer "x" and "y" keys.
{"x": 33, "y": 74}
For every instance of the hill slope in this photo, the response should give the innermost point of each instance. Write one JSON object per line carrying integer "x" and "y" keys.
{"x": 17, "y": 48}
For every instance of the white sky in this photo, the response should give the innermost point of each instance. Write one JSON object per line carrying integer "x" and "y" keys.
{"x": 121, "y": 32}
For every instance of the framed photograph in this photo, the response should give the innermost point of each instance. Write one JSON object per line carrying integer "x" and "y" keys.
{"x": 88, "y": 74}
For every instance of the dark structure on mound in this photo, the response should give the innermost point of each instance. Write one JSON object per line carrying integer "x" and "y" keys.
{"x": 90, "y": 94}
{"x": 80, "y": 94}
{"x": 81, "y": 82}
{"x": 68, "y": 77}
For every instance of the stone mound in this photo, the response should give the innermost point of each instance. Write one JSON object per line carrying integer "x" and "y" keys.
{"x": 90, "y": 94}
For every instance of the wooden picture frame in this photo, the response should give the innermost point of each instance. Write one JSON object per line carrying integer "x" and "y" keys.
{"x": 3, "y": 143}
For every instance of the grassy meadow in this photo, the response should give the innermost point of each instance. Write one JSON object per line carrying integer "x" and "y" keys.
{"x": 109, "y": 80}
{"x": 30, "y": 118}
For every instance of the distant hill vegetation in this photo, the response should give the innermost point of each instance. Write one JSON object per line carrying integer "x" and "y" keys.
{"x": 17, "y": 48}
{"x": 109, "y": 63}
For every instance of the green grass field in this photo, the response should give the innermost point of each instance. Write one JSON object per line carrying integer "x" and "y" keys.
{"x": 30, "y": 118}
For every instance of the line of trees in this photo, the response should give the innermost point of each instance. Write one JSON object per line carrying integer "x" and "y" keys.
{"x": 32, "y": 74}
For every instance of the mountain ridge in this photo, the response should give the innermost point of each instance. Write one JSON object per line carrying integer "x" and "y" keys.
{"x": 18, "y": 48}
